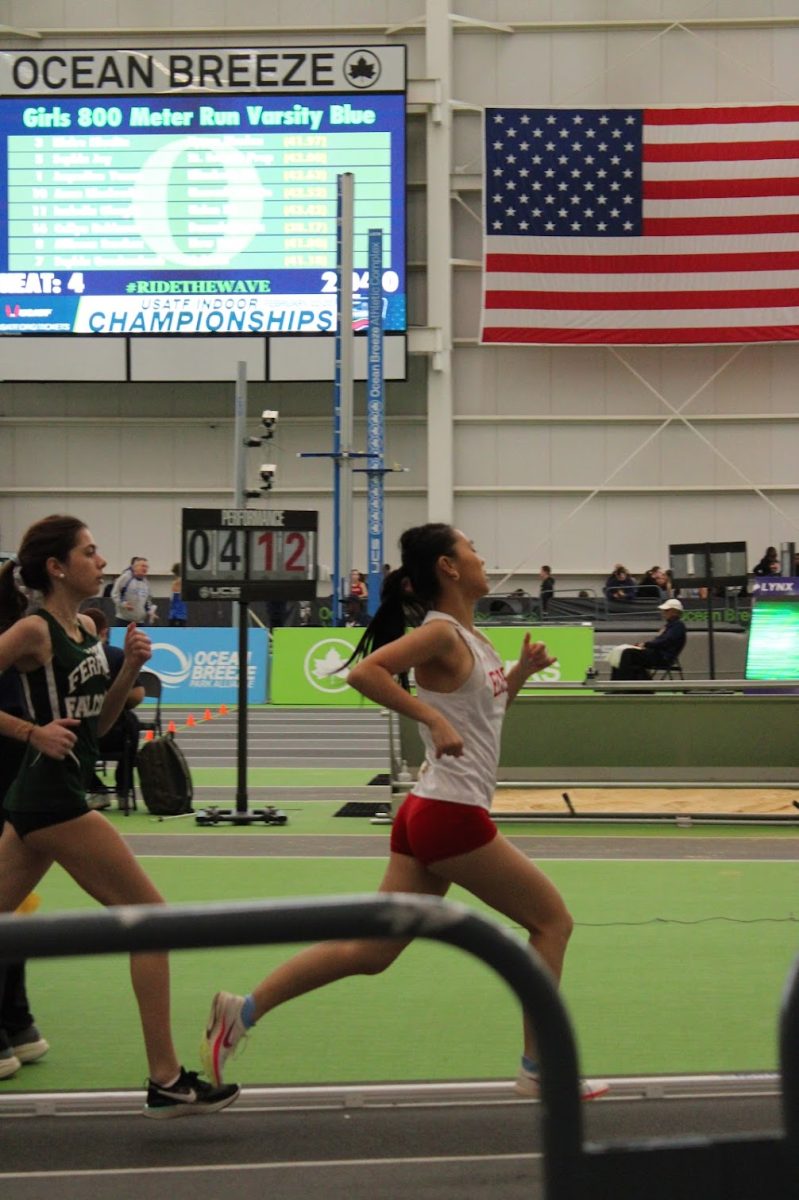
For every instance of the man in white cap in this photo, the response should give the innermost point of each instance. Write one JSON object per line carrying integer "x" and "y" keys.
{"x": 660, "y": 652}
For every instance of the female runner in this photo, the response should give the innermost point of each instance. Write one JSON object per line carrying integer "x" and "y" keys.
{"x": 443, "y": 833}
{"x": 65, "y": 679}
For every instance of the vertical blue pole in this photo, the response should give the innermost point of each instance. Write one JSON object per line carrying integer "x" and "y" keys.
{"x": 337, "y": 618}
{"x": 375, "y": 410}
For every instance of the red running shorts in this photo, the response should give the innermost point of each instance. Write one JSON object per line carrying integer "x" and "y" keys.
{"x": 429, "y": 830}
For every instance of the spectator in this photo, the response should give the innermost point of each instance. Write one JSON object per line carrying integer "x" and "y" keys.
{"x": 131, "y": 595}
{"x": 355, "y": 601}
{"x": 650, "y": 586}
{"x": 764, "y": 566}
{"x": 124, "y": 733}
{"x": 547, "y": 588}
{"x": 659, "y": 653}
{"x": 669, "y": 586}
{"x": 620, "y": 585}
{"x": 178, "y": 613}
{"x": 775, "y": 567}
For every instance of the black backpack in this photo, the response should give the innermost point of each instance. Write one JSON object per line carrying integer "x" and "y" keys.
{"x": 164, "y": 777}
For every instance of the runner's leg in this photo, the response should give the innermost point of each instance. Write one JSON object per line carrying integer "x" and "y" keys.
{"x": 96, "y": 857}
{"x": 328, "y": 961}
{"x": 501, "y": 876}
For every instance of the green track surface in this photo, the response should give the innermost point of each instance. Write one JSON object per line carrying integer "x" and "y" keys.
{"x": 674, "y": 967}
{"x": 286, "y": 777}
{"x": 318, "y": 817}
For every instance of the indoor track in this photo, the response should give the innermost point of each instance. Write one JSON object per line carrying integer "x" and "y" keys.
{"x": 401, "y": 1142}
{"x": 414, "y": 1151}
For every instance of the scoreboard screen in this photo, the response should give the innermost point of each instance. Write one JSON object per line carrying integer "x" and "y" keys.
{"x": 192, "y": 212}
{"x": 249, "y": 554}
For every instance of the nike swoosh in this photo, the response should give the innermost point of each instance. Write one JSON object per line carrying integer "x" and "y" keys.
{"x": 182, "y": 1097}
{"x": 228, "y": 1045}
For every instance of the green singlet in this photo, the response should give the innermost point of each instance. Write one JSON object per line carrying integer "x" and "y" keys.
{"x": 46, "y": 790}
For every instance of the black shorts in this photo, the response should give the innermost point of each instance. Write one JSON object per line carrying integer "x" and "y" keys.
{"x": 29, "y": 822}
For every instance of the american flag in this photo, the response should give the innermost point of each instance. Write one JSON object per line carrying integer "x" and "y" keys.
{"x": 641, "y": 226}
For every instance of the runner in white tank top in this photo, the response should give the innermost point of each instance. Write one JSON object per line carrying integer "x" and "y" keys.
{"x": 477, "y": 708}
{"x": 443, "y": 832}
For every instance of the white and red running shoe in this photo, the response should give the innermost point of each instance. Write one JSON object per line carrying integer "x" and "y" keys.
{"x": 528, "y": 1084}
{"x": 223, "y": 1032}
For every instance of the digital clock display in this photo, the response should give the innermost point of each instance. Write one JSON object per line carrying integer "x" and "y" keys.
{"x": 249, "y": 554}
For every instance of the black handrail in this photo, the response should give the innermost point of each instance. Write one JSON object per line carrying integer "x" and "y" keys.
{"x": 789, "y": 1063}
{"x": 191, "y": 926}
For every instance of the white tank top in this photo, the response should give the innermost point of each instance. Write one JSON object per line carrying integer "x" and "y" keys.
{"x": 476, "y": 710}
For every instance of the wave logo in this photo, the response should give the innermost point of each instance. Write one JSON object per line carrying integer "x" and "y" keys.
{"x": 323, "y": 662}
{"x": 164, "y": 666}
{"x": 12, "y": 310}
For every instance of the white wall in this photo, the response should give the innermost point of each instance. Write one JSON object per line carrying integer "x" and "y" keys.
{"x": 127, "y": 457}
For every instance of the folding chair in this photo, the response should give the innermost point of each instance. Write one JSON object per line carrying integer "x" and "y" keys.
{"x": 672, "y": 671}
{"x": 152, "y": 688}
{"x": 125, "y": 755}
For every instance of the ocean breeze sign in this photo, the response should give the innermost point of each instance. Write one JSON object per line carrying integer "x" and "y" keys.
{"x": 201, "y": 666}
{"x": 308, "y": 664}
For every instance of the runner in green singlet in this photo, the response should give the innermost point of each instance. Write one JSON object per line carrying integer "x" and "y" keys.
{"x": 65, "y": 679}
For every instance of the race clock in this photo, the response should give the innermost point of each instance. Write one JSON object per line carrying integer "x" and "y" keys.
{"x": 249, "y": 554}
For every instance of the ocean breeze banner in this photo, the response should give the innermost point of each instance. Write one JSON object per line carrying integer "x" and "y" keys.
{"x": 201, "y": 666}
{"x": 655, "y": 226}
{"x": 307, "y": 663}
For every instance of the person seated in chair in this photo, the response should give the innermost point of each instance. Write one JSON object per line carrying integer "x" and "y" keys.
{"x": 659, "y": 653}
{"x": 620, "y": 585}
{"x": 124, "y": 733}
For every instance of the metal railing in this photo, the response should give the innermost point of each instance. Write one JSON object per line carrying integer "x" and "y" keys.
{"x": 736, "y": 1168}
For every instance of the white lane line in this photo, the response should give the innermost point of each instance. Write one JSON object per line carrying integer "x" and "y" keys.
{"x": 367, "y": 857}
{"x": 307, "y": 1164}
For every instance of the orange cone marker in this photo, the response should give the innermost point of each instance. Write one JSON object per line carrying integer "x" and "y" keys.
{"x": 208, "y": 715}
{"x": 223, "y": 708}
{"x": 148, "y": 735}
{"x": 190, "y": 721}
{"x": 171, "y": 727}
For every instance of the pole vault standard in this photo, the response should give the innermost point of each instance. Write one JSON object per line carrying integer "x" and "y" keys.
{"x": 342, "y": 453}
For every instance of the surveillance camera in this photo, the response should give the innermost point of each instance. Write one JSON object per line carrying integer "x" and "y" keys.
{"x": 269, "y": 418}
{"x": 268, "y": 472}
{"x": 252, "y": 442}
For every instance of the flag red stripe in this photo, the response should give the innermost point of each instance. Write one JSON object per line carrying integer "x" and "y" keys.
{"x": 699, "y": 189}
{"x": 638, "y": 301}
{"x": 718, "y": 151}
{"x": 725, "y": 115}
{"x": 629, "y": 264}
{"x": 690, "y": 226}
{"x": 612, "y": 337}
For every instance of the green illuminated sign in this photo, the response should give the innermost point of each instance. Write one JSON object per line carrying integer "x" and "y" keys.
{"x": 773, "y": 649}
{"x": 306, "y": 663}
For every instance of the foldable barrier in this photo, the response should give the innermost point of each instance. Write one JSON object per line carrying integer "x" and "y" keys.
{"x": 702, "y": 1168}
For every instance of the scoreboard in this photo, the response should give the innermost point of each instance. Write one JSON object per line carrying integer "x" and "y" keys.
{"x": 249, "y": 554}
{"x": 206, "y": 205}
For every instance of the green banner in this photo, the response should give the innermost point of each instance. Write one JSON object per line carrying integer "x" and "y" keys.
{"x": 305, "y": 667}
{"x": 571, "y": 645}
